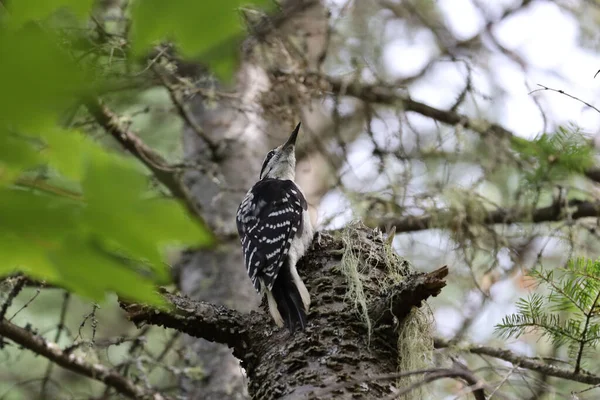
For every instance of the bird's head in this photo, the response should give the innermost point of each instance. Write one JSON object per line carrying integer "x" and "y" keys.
{"x": 280, "y": 163}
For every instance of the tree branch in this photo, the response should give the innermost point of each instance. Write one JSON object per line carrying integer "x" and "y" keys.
{"x": 400, "y": 299}
{"x": 199, "y": 319}
{"x": 390, "y": 95}
{"x": 184, "y": 112}
{"x": 164, "y": 173}
{"x": 474, "y": 383}
{"x": 523, "y": 362}
{"x": 431, "y": 375}
{"x": 552, "y": 213}
{"x": 70, "y": 361}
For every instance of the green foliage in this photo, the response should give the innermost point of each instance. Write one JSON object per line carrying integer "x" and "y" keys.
{"x": 108, "y": 237}
{"x": 37, "y": 78}
{"x": 22, "y": 11}
{"x": 556, "y": 156}
{"x": 70, "y": 212}
{"x": 567, "y": 314}
{"x": 210, "y": 28}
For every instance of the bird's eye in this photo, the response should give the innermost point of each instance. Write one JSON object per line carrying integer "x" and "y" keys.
{"x": 270, "y": 155}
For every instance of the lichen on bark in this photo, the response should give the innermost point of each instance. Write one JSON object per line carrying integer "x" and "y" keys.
{"x": 350, "y": 274}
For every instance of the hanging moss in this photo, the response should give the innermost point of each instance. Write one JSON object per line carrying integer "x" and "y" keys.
{"x": 414, "y": 333}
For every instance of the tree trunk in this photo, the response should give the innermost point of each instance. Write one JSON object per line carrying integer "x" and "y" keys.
{"x": 363, "y": 299}
{"x": 357, "y": 314}
{"x": 245, "y": 130}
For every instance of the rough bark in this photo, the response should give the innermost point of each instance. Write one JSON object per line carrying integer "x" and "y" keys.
{"x": 336, "y": 346}
{"x": 336, "y": 357}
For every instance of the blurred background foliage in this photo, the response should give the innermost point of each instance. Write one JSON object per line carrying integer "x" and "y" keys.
{"x": 82, "y": 214}
{"x": 74, "y": 211}
{"x": 65, "y": 219}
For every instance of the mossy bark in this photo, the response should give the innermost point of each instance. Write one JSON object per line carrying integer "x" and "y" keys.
{"x": 339, "y": 355}
{"x": 336, "y": 348}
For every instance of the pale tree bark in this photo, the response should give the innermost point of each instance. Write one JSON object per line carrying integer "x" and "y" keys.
{"x": 245, "y": 124}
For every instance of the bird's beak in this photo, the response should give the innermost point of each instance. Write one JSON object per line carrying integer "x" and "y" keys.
{"x": 292, "y": 140}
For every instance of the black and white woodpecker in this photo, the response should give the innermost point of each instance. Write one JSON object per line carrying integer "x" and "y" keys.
{"x": 275, "y": 231}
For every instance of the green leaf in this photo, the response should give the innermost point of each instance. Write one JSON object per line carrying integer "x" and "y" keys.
{"x": 31, "y": 225}
{"x": 209, "y": 28}
{"x": 38, "y": 79}
{"x": 110, "y": 238}
{"x": 88, "y": 270}
{"x": 67, "y": 150}
{"x": 37, "y": 217}
{"x": 16, "y": 154}
{"x": 22, "y": 11}
{"x": 107, "y": 231}
{"x": 28, "y": 256}
{"x": 121, "y": 211}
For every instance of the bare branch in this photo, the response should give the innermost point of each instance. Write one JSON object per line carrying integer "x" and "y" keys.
{"x": 53, "y": 352}
{"x": 431, "y": 375}
{"x": 166, "y": 174}
{"x": 390, "y": 95}
{"x": 400, "y": 299}
{"x": 199, "y": 319}
{"x": 523, "y": 362}
{"x": 576, "y": 209}
{"x": 475, "y": 384}
{"x": 185, "y": 113}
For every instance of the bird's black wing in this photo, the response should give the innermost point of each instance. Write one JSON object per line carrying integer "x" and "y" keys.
{"x": 267, "y": 220}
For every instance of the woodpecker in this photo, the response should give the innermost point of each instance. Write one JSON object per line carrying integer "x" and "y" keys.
{"x": 275, "y": 232}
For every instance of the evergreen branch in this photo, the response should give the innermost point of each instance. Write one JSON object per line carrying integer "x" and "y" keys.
{"x": 585, "y": 268}
{"x": 583, "y": 342}
{"x": 568, "y": 294}
{"x": 568, "y": 290}
{"x": 517, "y": 324}
{"x": 522, "y": 361}
{"x": 54, "y": 353}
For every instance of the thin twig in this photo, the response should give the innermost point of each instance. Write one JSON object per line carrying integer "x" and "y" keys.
{"x": 431, "y": 375}
{"x": 588, "y": 317}
{"x": 59, "y": 330}
{"x": 19, "y": 282}
{"x": 522, "y": 362}
{"x": 187, "y": 116}
{"x": 24, "y": 306}
{"x": 163, "y": 172}
{"x": 543, "y": 88}
{"x": 98, "y": 372}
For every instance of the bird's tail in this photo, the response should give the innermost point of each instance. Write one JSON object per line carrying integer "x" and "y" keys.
{"x": 285, "y": 302}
